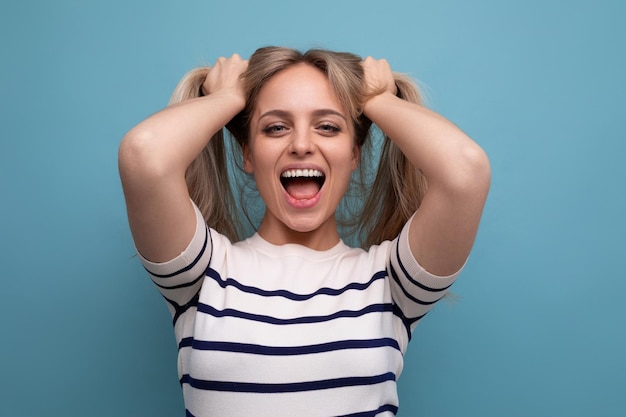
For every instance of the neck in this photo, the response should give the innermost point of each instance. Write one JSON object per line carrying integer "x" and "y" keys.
{"x": 323, "y": 238}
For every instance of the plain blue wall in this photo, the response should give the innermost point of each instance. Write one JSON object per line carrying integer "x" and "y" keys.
{"x": 539, "y": 328}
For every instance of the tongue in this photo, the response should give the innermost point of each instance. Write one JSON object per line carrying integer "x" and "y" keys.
{"x": 302, "y": 188}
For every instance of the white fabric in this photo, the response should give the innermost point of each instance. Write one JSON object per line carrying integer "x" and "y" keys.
{"x": 267, "y": 330}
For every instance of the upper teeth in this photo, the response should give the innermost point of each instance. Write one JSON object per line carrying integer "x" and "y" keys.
{"x": 291, "y": 173}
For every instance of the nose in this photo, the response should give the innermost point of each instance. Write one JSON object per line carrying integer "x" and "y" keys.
{"x": 302, "y": 143}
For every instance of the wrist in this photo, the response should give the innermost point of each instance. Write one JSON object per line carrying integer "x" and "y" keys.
{"x": 379, "y": 101}
{"x": 229, "y": 99}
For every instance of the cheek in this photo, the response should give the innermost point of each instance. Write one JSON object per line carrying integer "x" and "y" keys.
{"x": 254, "y": 157}
{"x": 259, "y": 158}
{"x": 346, "y": 156}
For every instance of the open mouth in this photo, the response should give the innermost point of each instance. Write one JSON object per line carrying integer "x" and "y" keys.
{"x": 302, "y": 184}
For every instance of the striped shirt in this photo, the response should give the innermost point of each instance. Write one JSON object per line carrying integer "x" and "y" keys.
{"x": 266, "y": 330}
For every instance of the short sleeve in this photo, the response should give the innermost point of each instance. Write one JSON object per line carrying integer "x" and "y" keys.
{"x": 180, "y": 279}
{"x": 414, "y": 290}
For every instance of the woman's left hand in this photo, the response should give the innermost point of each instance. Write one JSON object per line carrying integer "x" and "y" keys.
{"x": 378, "y": 76}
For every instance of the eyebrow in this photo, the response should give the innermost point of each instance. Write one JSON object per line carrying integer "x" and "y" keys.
{"x": 316, "y": 113}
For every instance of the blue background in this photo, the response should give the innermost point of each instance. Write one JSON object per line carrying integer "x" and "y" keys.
{"x": 539, "y": 327}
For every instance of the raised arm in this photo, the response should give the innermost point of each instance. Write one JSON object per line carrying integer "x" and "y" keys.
{"x": 155, "y": 154}
{"x": 457, "y": 169}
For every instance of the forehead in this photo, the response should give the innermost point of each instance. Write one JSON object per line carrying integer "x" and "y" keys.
{"x": 301, "y": 88}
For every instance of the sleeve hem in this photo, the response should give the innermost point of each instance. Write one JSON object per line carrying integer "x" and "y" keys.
{"x": 414, "y": 268}
{"x": 187, "y": 256}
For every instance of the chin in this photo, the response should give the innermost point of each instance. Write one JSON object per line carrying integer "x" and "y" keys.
{"x": 304, "y": 227}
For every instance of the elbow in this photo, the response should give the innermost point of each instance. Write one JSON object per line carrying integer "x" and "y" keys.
{"x": 470, "y": 174}
{"x": 479, "y": 168}
{"x": 138, "y": 156}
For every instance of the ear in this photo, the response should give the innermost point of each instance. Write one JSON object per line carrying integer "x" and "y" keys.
{"x": 356, "y": 156}
{"x": 247, "y": 159}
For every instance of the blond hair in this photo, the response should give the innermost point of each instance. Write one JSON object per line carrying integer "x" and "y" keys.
{"x": 376, "y": 206}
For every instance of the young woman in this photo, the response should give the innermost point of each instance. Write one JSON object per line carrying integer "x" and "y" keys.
{"x": 291, "y": 321}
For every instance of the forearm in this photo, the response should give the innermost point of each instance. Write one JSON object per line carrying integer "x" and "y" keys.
{"x": 458, "y": 173}
{"x": 446, "y": 155}
{"x": 168, "y": 141}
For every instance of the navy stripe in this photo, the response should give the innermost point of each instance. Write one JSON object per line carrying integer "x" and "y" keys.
{"x": 406, "y": 321}
{"x": 374, "y": 413}
{"x": 396, "y": 278}
{"x": 183, "y": 285}
{"x": 229, "y": 312}
{"x": 188, "y": 267}
{"x": 212, "y": 246}
{"x": 225, "y": 386}
{"x": 290, "y": 295}
{"x": 414, "y": 320}
{"x": 383, "y": 408}
{"x": 406, "y": 273}
{"x": 179, "y": 310}
{"x": 287, "y": 350}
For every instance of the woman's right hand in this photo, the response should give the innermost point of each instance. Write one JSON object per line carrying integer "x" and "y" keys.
{"x": 225, "y": 76}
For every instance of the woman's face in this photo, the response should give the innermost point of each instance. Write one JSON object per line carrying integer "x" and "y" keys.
{"x": 301, "y": 152}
